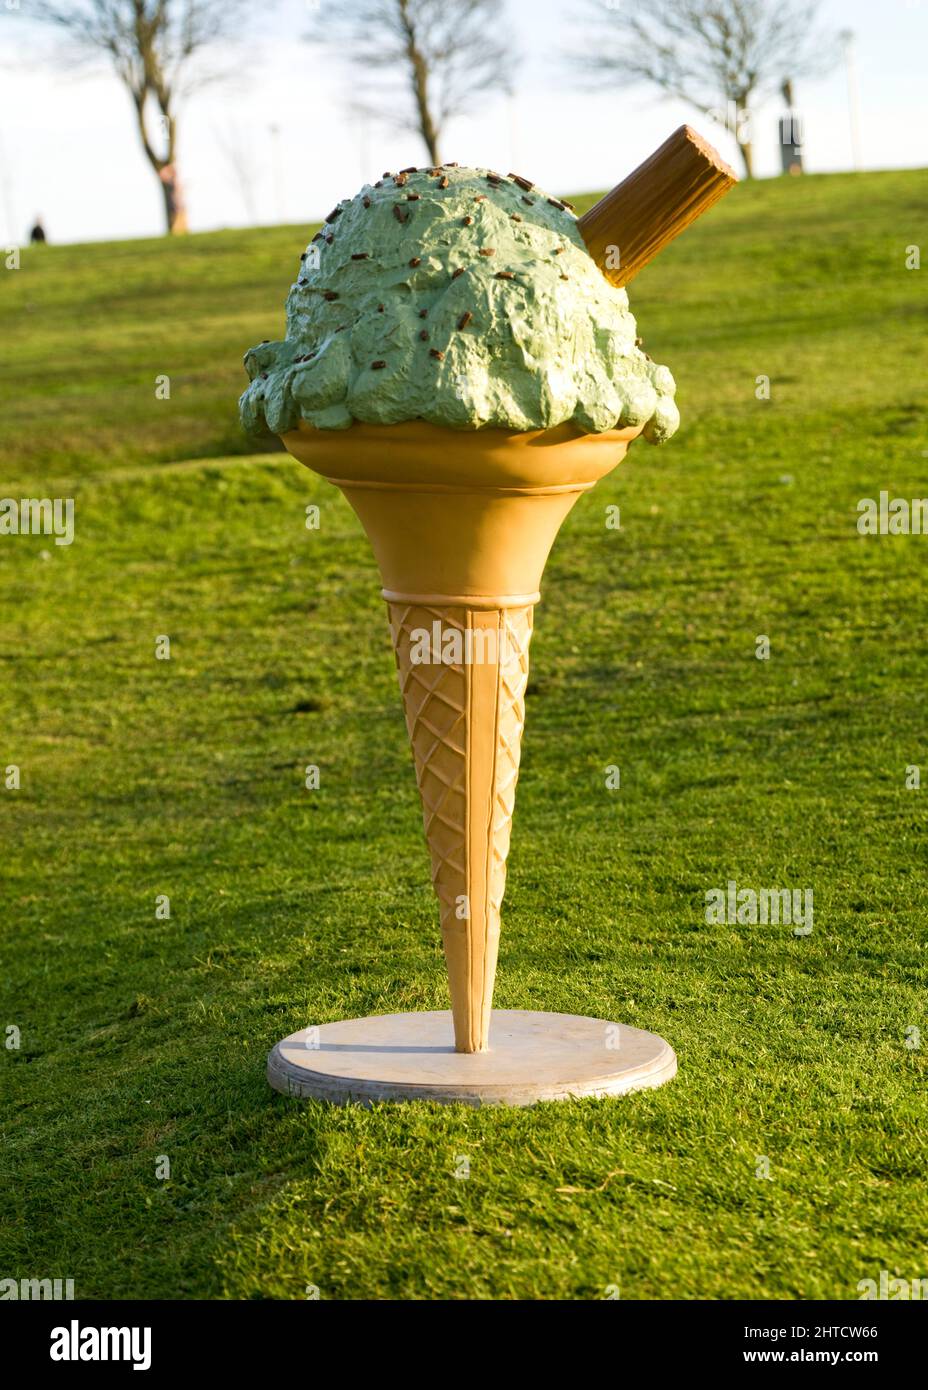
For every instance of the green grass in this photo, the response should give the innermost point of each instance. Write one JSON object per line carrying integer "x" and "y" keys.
{"x": 143, "y": 1037}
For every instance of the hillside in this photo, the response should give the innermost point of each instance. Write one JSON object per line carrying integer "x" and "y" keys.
{"x": 144, "y": 1036}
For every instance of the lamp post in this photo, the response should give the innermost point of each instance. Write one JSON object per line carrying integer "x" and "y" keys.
{"x": 847, "y": 38}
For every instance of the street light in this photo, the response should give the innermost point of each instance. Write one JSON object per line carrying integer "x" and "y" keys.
{"x": 847, "y": 37}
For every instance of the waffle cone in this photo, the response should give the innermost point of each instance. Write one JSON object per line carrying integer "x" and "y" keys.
{"x": 461, "y": 525}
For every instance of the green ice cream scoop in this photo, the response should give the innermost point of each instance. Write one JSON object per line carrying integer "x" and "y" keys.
{"x": 459, "y": 297}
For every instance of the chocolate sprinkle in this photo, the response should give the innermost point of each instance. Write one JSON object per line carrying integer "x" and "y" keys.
{"x": 456, "y": 273}
{"x": 380, "y": 308}
{"x": 487, "y": 251}
{"x": 416, "y": 260}
{"x": 564, "y": 277}
{"x": 399, "y": 180}
{"x": 336, "y": 212}
{"x": 480, "y": 198}
{"x": 329, "y": 294}
{"x": 424, "y": 335}
{"x": 303, "y": 256}
{"x": 359, "y": 256}
{"x": 434, "y": 352}
{"x": 376, "y": 366}
{"x": 329, "y": 240}
{"x": 423, "y": 313}
{"x": 399, "y": 212}
{"x": 366, "y": 200}
{"x": 523, "y": 183}
{"x": 413, "y": 169}
{"x": 412, "y": 197}
{"x": 515, "y": 217}
{"x": 465, "y": 319}
{"x": 529, "y": 202}
{"x": 444, "y": 181}
{"x": 467, "y": 221}
{"x": 504, "y": 275}
{"x": 450, "y": 164}
{"x": 556, "y": 203}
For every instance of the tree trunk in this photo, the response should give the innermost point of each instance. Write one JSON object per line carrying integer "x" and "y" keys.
{"x": 175, "y": 212}
{"x": 426, "y": 124}
{"x": 746, "y": 150}
{"x": 419, "y": 72}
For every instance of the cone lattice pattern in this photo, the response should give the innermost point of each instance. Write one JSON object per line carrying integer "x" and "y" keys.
{"x": 463, "y": 674}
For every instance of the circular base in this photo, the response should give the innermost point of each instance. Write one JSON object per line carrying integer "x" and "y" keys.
{"x": 532, "y": 1057}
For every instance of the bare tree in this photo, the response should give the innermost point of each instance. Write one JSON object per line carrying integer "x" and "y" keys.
{"x": 420, "y": 61}
{"x": 156, "y": 48}
{"x": 717, "y": 55}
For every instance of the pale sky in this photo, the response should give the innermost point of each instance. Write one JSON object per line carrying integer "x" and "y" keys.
{"x": 69, "y": 150}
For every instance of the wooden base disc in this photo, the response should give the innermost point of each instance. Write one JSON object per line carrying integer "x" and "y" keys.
{"x": 532, "y": 1057}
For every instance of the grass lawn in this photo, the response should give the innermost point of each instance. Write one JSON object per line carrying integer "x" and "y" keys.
{"x": 144, "y": 1037}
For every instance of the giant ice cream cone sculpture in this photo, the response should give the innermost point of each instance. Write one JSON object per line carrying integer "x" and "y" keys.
{"x": 462, "y": 458}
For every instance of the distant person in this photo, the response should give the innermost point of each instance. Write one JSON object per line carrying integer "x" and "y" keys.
{"x": 38, "y": 232}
